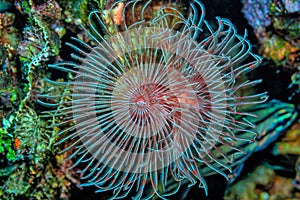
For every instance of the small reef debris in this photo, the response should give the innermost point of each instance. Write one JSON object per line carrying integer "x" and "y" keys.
{"x": 262, "y": 184}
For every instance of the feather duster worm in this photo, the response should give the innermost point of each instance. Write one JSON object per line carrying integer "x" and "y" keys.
{"x": 156, "y": 101}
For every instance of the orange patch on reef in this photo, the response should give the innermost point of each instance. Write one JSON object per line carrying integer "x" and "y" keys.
{"x": 118, "y": 14}
{"x": 17, "y": 143}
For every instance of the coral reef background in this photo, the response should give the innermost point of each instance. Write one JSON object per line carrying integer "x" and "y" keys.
{"x": 33, "y": 34}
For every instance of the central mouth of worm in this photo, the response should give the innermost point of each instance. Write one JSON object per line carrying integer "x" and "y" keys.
{"x": 150, "y": 100}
